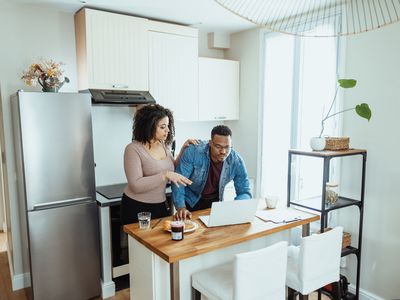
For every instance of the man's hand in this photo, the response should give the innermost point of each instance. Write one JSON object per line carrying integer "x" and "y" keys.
{"x": 182, "y": 214}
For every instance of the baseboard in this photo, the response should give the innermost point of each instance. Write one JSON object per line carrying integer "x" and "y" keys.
{"x": 364, "y": 295}
{"x": 21, "y": 281}
{"x": 107, "y": 289}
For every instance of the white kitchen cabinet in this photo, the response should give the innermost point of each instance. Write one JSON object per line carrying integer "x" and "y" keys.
{"x": 218, "y": 89}
{"x": 173, "y": 69}
{"x": 112, "y": 51}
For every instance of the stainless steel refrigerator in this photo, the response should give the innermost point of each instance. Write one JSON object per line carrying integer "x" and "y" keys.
{"x": 56, "y": 192}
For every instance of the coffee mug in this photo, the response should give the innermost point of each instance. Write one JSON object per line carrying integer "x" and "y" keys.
{"x": 271, "y": 201}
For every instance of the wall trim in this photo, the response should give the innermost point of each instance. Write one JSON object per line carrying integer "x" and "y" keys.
{"x": 107, "y": 289}
{"x": 364, "y": 295}
{"x": 21, "y": 281}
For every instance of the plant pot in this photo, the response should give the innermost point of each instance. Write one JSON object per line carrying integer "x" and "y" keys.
{"x": 47, "y": 89}
{"x": 317, "y": 143}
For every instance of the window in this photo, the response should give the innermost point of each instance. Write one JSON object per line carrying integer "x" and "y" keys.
{"x": 299, "y": 84}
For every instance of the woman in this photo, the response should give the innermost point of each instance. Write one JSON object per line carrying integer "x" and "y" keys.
{"x": 149, "y": 164}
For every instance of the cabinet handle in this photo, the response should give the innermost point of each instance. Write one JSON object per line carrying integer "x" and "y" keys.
{"x": 120, "y": 86}
{"x": 219, "y": 118}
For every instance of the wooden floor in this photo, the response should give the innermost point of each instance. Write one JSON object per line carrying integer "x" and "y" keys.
{"x": 6, "y": 292}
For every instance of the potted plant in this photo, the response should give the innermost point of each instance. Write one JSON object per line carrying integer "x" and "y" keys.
{"x": 48, "y": 74}
{"x": 362, "y": 109}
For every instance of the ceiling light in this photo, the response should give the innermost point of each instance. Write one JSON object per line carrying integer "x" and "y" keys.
{"x": 316, "y": 17}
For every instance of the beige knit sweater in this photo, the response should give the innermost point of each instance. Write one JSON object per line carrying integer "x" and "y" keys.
{"x": 145, "y": 173}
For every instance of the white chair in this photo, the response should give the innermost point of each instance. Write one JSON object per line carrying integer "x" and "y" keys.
{"x": 315, "y": 263}
{"x": 253, "y": 275}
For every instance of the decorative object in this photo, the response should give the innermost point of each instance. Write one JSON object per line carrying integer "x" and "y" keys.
{"x": 362, "y": 109}
{"x": 339, "y": 143}
{"x": 48, "y": 74}
{"x": 317, "y": 143}
{"x": 316, "y": 18}
{"x": 331, "y": 193}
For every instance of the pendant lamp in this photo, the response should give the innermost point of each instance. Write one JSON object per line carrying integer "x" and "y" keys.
{"x": 307, "y": 17}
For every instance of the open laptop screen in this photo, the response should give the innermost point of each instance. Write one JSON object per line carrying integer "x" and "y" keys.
{"x": 231, "y": 212}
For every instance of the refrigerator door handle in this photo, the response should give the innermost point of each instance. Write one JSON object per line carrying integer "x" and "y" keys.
{"x": 66, "y": 202}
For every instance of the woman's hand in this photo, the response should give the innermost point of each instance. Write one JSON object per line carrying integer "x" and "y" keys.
{"x": 184, "y": 146}
{"x": 188, "y": 142}
{"x": 177, "y": 178}
{"x": 182, "y": 214}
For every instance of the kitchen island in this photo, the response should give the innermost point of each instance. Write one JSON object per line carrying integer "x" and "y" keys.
{"x": 161, "y": 268}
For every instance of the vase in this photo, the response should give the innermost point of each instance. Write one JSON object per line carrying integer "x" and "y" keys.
{"x": 48, "y": 89}
{"x": 317, "y": 143}
{"x": 54, "y": 85}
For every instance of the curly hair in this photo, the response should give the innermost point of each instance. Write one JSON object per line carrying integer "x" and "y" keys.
{"x": 221, "y": 130}
{"x": 145, "y": 123}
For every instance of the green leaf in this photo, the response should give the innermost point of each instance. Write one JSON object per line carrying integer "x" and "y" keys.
{"x": 363, "y": 111}
{"x": 347, "y": 83}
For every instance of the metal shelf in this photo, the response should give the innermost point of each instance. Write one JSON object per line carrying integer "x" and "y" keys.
{"x": 318, "y": 204}
{"x": 315, "y": 203}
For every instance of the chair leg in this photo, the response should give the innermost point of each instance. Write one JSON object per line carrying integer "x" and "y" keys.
{"x": 291, "y": 294}
{"x": 196, "y": 295}
{"x": 336, "y": 291}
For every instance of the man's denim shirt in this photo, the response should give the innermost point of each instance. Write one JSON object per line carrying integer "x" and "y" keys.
{"x": 194, "y": 164}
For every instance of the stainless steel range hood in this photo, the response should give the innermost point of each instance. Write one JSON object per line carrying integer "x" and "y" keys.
{"x": 121, "y": 97}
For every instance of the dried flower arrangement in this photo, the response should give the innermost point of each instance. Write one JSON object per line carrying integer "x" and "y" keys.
{"x": 47, "y": 73}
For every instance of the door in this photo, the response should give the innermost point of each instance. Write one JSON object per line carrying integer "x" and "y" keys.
{"x": 56, "y": 147}
{"x": 173, "y": 73}
{"x": 64, "y": 252}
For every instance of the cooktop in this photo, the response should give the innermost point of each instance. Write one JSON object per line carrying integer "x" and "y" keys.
{"x": 111, "y": 191}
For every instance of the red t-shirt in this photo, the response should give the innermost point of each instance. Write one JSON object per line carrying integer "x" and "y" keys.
{"x": 210, "y": 190}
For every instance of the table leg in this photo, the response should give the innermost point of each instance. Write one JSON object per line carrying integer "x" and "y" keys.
{"x": 305, "y": 230}
{"x": 174, "y": 280}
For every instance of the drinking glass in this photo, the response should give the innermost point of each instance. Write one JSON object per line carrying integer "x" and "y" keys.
{"x": 144, "y": 220}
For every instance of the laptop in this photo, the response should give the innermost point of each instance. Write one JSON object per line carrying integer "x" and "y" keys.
{"x": 231, "y": 212}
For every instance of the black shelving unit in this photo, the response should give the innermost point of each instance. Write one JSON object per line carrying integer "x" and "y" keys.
{"x": 319, "y": 205}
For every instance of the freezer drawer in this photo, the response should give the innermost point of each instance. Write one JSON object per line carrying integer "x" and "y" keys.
{"x": 64, "y": 252}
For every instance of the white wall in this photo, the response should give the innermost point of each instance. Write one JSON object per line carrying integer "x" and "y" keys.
{"x": 245, "y": 46}
{"x": 28, "y": 32}
{"x": 204, "y": 51}
{"x": 373, "y": 59}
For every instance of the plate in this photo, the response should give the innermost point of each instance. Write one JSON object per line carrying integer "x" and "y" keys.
{"x": 195, "y": 226}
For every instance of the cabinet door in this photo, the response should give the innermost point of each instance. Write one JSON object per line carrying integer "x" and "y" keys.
{"x": 117, "y": 51}
{"x": 218, "y": 89}
{"x": 173, "y": 73}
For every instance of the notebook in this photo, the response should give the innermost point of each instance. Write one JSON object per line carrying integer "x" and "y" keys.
{"x": 231, "y": 212}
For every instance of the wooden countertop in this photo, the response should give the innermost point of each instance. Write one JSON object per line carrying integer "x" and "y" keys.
{"x": 205, "y": 239}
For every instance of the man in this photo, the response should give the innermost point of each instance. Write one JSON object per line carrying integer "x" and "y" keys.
{"x": 210, "y": 166}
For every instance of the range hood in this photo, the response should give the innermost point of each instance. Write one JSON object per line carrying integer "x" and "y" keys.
{"x": 121, "y": 97}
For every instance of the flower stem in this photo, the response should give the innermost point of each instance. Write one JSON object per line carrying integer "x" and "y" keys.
{"x": 327, "y": 117}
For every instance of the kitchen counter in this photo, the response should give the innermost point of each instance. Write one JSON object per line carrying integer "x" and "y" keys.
{"x": 159, "y": 265}
{"x": 108, "y": 272}
{"x": 103, "y": 201}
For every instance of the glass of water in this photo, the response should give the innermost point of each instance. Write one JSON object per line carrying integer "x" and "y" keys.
{"x": 144, "y": 220}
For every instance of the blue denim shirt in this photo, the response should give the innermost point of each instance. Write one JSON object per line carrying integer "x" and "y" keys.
{"x": 194, "y": 164}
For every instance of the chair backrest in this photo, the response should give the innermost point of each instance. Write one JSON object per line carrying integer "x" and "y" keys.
{"x": 261, "y": 274}
{"x": 319, "y": 257}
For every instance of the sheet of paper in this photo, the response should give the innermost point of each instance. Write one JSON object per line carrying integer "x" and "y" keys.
{"x": 279, "y": 215}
